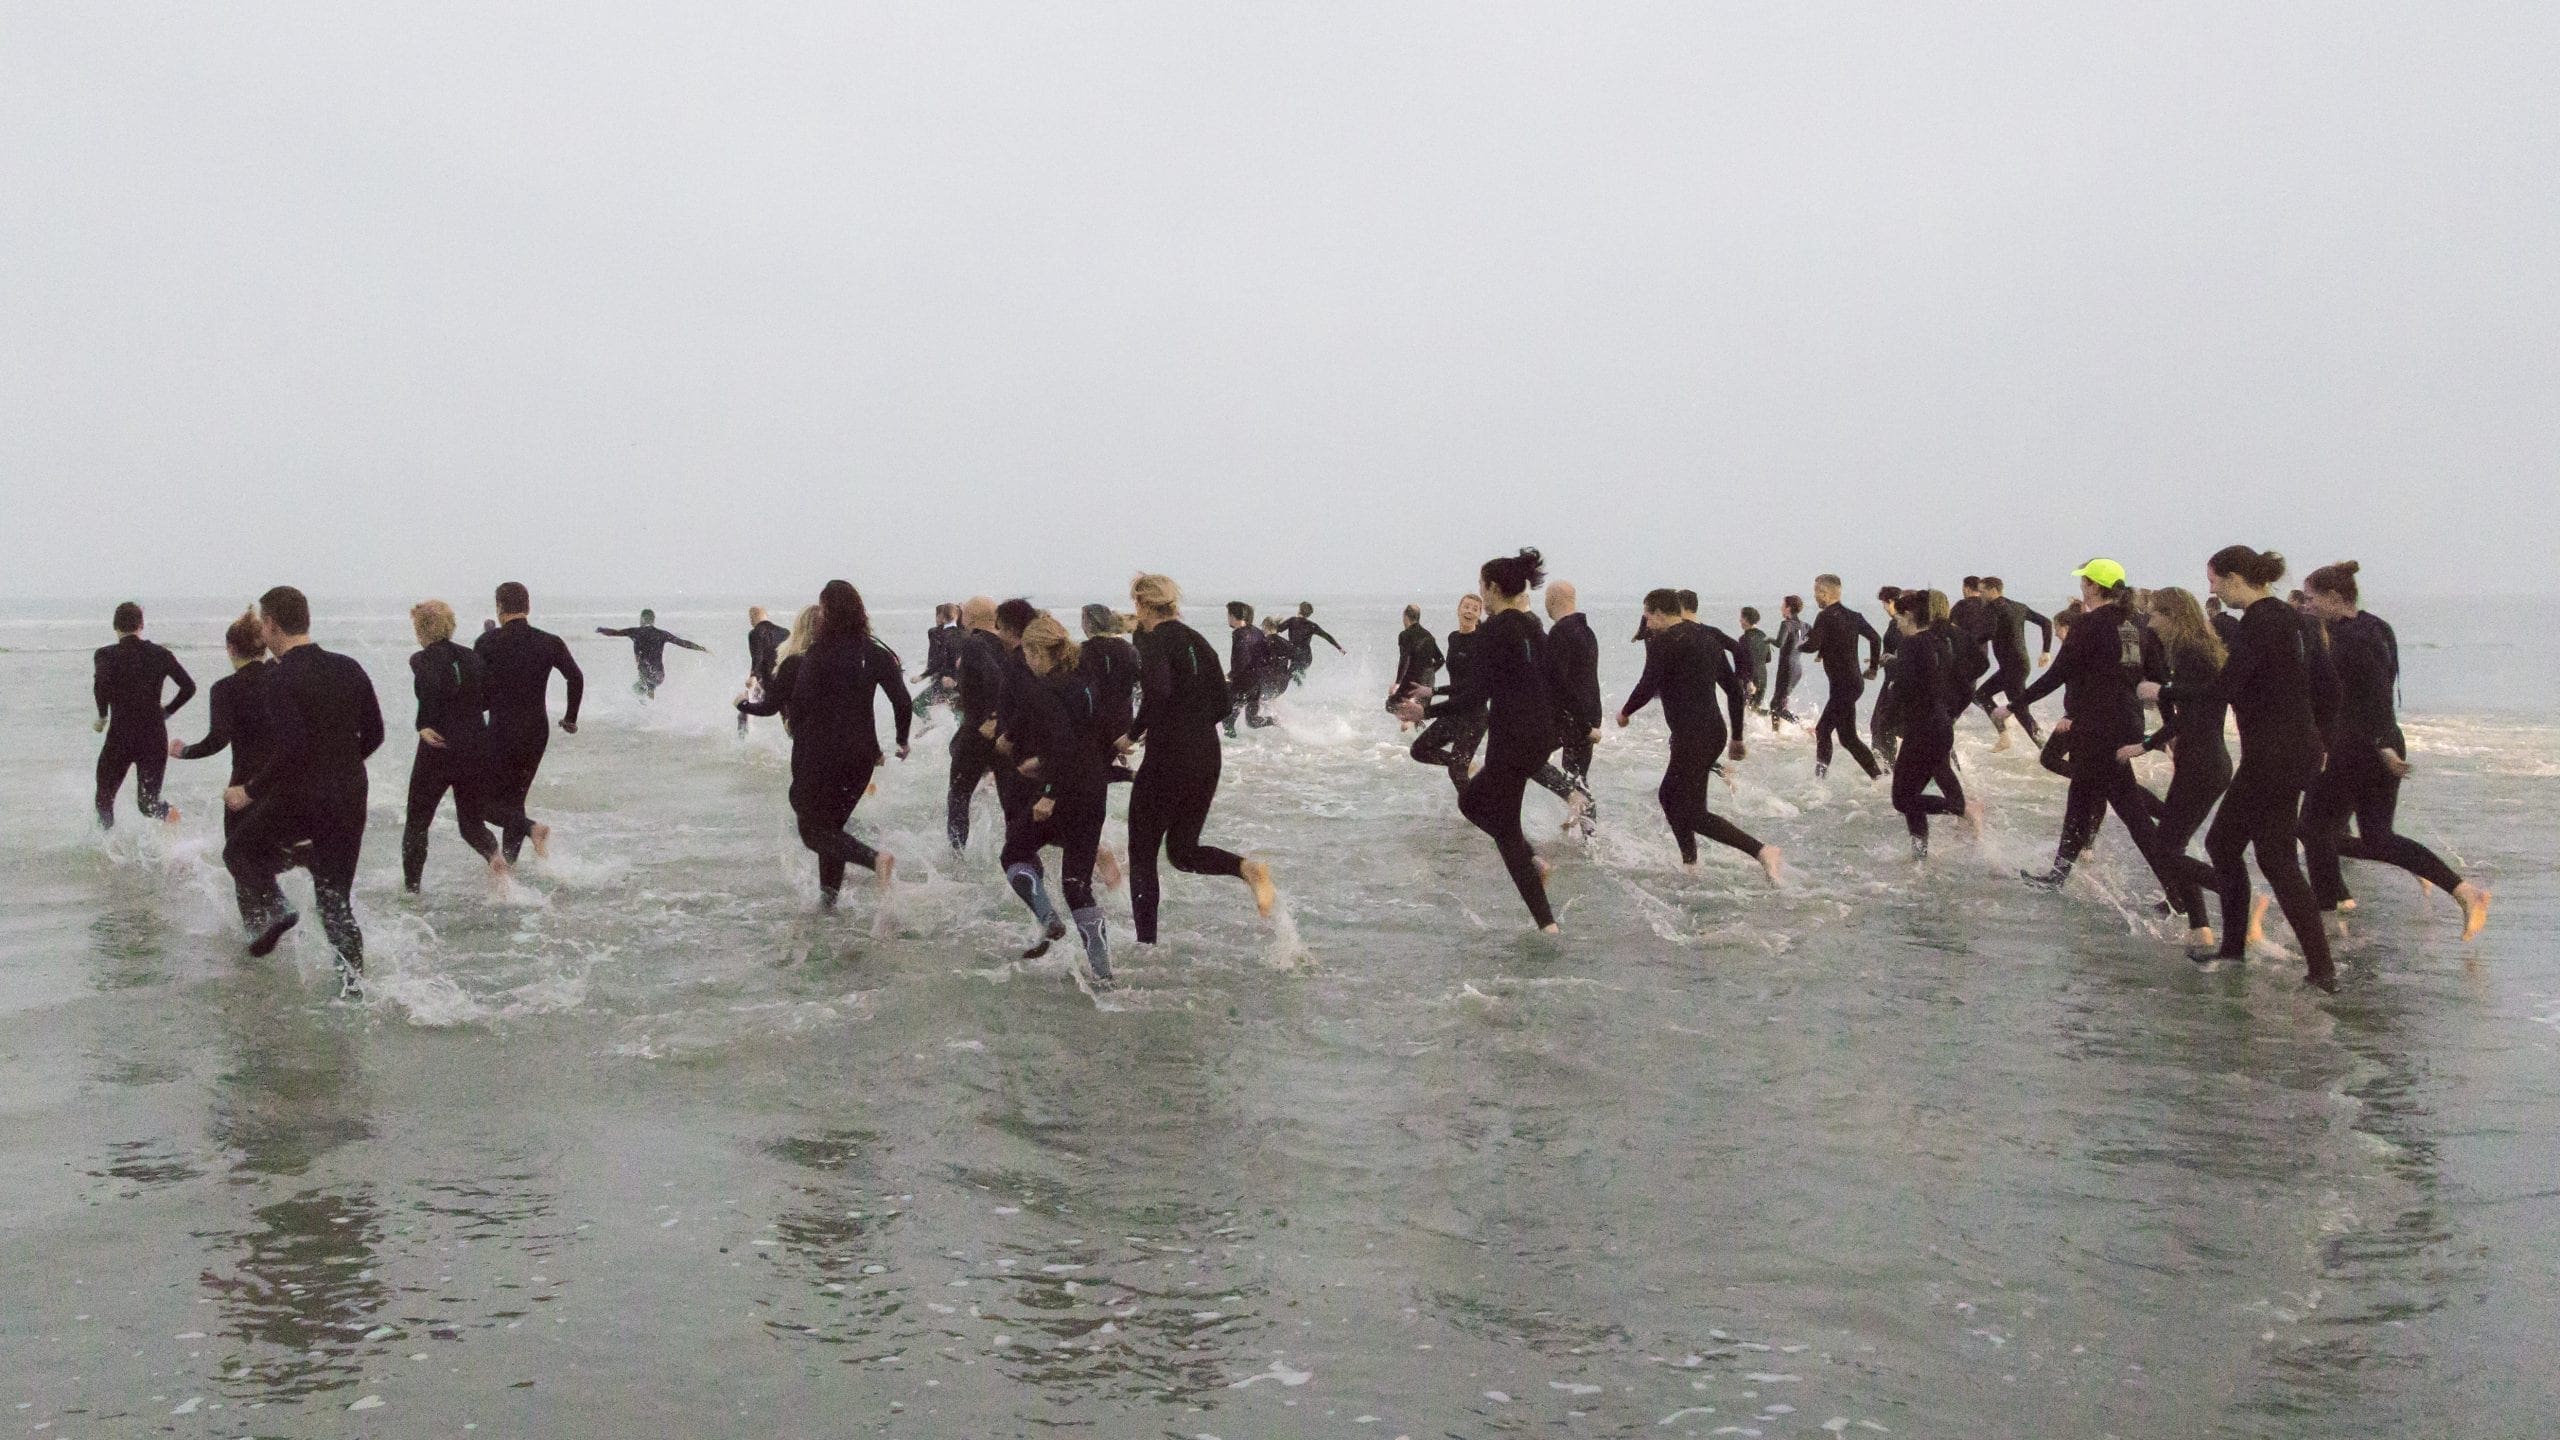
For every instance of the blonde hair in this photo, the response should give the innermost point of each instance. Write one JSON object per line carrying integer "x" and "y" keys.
{"x": 2179, "y": 622}
{"x": 1045, "y": 636}
{"x": 1938, "y": 607}
{"x": 1156, "y": 593}
{"x": 433, "y": 620}
{"x": 804, "y": 631}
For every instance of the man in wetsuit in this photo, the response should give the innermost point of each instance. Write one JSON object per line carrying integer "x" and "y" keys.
{"x": 1418, "y": 660}
{"x": 2008, "y": 625}
{"x": 1837, "y": 629}
{"x": 311, "y": 792}
{"x": 1302, "y": 632}
{"x": 126, "y": 681}
{"x": 1790, "y": 648}
{"x": 1248, "y": 662}
{"x": 1755, "y": 648}
{"x": 1686, "y": 667}
{"x": 977, "y": 670}
{"x": 649, "y": 651}
{"x": 1573, "y": 654}
{"x": 520, "y": 660}
{"x": 764, "y": 649}
{"x": 1973, "y": 620}
{"x": 1884, "y": 721}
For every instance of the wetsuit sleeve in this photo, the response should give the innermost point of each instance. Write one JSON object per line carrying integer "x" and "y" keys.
{"x": 217, "y": 735}
{"x": 777, "y": 691}
{"x": 2043, "y": 624}
{"x": 98, "y": 681}
{"x": 430, "y": 681}
{"x": 1813, "y": 634}
{"x": 893, "y": 683}
{"x": 1321, "y": 634}
{"x": 1648, "y": 684}
{"x": 1476, "y": 689}
{"x": 1730, "y": 677}
{"x": 616, "y": 634}
{"x": 2064, "y": 665}
{"x": 368, "y": 714}
{"x": 567, "y": 665}
{"x": 186, "y": 686}
{"x": 1875, "y": 642}
{"x": 1155, "y": 690}
{"x": 683, "y": 644}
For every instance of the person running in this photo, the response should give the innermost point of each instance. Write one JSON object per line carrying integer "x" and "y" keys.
{"x": 1884, "y": 720}
{"x": 520, "y": 661}
{"x": 1511, "y": 685}
{"x": 2008, "y": 620}
{"x": 2267, "y": 683}
{"x": 311, "y": 790}
{"x": 941, "y": 675}
{"x": 127, "y": 681}
{"x": 1066, "y": 747}
{"x": 1110, "y": 663}
{"x": 1928, "y": 680}
{"x": 1450, "y": 738}
{"x": 1790, "y": 648}
{"x": 1418, "y": 660}
{"x": 2368, "y": 758}
{"x": 453, "y": 745}
{"x": 1836, "y": 631}
{"x": 1755, "y": 646}
{"x": 1685, "y": 667}
{"x": 2103, "y": 661}
{"x": 1185, "y": 701}
{"x": 1248, "y": 667}
{"x": 1973, "y": 621}
{"x": 765, "y": 640}
{"x": 1302, "y": 632}
{"x": 1024, "y": 833}
{"x": 649, "y": 652}
{"x": 2191, "y": 731}
{"x": 1575, "y": 652}
{"x": 238, "y": 721}
{"x": 978, "y": 670}
{"x": 827, "y": 705}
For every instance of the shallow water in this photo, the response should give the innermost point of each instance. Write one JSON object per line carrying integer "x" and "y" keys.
{"x": 653, "y": 1147}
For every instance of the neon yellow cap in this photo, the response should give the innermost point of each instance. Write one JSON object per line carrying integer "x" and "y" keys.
{"x": 2103, "y": 573}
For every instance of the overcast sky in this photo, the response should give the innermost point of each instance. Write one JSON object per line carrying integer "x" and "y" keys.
{"x": 1279, "y": 297}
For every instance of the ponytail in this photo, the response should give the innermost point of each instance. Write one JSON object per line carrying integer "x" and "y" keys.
{"x": 2261, "y": 568}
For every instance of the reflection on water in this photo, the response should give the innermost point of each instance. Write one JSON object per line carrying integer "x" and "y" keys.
{"x": 301, "y": 1294}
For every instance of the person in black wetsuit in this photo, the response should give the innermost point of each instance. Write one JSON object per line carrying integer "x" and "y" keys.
{"x": 1790, "y": 651}
{"x": 1302, "y": 632}
{"x": 649, "y": 651}
{"x": 1971, "y": 615}
{"x": 2191, "y": 731}
{"x": 2008, "y": 621}
{"x": 978, "y": 668}
{"x": 311, "y": 790}
{"x": 1756, "y": 647}
{"x": 765, "y": 640}
{"x": 1185, "y": 701}
{"x": 941, "y": 675}
{"x": 2225, "y": 624}
{"x": 1450, "y": 739}
{"x": 1248, "y": 667}
{"x": 1109, "y": 662}
{"x": 128, "y": 678}
{"x": 1418, "y": 660}
{"x": 1686, "y": 667}
{"x": 1024, "y": 834}
{"x": 1510, "y": 682}
{"x": 1837, "y": 629}
{"x": 453, "y": 745}
{"x": 1884, "y": 719}
{"x": 1276, "y": 659}
{"x": 238, "y": 721}
{"x": 1575, "y": 654}
{"x": 1929, "y": 685}
{"x": 519, "y": 661}
{"x": 825, "y": 697}
{"x": 2267, "y": 683}
{"x": 2368, "y": 758}
{"x": 1066, "y": 746}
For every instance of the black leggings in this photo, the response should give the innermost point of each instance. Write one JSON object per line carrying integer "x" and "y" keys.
{"x": 2359, "y": 787}
{"x": 1684, "y": 797}
{"x": 259, "y": 848}
{"x": 2099, "y": 782}
{"x": 972, "y": 757}
{"x": 1168, "y": 803}
{"x": 1570, "y": 774}
{"x": 1075, "y": 827}
{"x": 824, "y": 800}
{"x": 1491, "y": 801}
{"x": 2009, "y": 684}
{"x": 516, "y": 757}
{"x": 1778, "y": 710}
{"x": 2198, "y": 782}
{"x": 2262, "y": 811}
{"x": 431, "y": 773}
{"x": 1840, "y": 718}
{"x": 1450, "y": 742}
{"x": 1927, "y": 758}
{"x": 147, "y": 756}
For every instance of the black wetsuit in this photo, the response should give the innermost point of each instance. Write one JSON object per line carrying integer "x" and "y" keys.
{"x": 824, "y": 696}
{"x": 519, "y": 660}
{"x": 1929, "y": 684}
{"x": 1756, "y": 649}
{"x": 1418, "y": 662}
{"x": 2191, "y": 729}
{"x": 2008, "y": 625}
{"x": 451, "y": 685}
{"x": 941, "y": 666}
{"x": 127, "y": 681}
{"x": 1185, "y": 703}
{"x": 1450, "y": 739}
{"x": 978, "y": 668}
{"x": 1686, "y": 667}
{"x": 1790, "y": 648}
{"x": 2102, "y": 662}
{"x": 1574, "y": 652}
{"x": 1974, "y": 624}
{"x": 1249, "y": 656}
{"x": 2267, "y": 682}
{"x": 238, "y": 722}
{"x": 1884, "y": 718}
{"x": 1301, "y": 633}
{"x": 2357, "y": 785}
{"x": 2226, "y": 625}
{"x": 1062, "y": 728}
{"x": 1510, "y": 684}
{"x": 765, "y": 640}
{"x": 1835, "y": 636}
{"x": 649, "y": 652}
{"x": 1110, "y": 665}
{"x": 312, "y": 789}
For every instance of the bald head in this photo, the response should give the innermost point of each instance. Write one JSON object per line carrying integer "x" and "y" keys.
{"x": 978, "y": 612}
{"x": 1560, "y": 599}
{"x": 755, "y": 614}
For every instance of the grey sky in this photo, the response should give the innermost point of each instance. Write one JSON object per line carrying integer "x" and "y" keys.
{"x": 1333, "y": 298}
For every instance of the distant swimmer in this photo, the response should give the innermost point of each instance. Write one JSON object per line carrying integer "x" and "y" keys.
{"x": 1575, "y": 653}
{"x": 826, "y": 699}
{"x": 1184, "y": 702}
{"x": 520, "y": 661}
{"x": 649, "y": 651}
{"x": 1449, "y": 741}
{"x": 1065, "y": 748}
{"x": 1418, "y": 660}
{"x": 1930, "y": 689}
{"x": 311, "y": 792}
{"x": 1836, "y": 631}
{"x": 765, "y": 640}
{"x": 1790, "y": 659}
{"x": 978, "y": 685}
{"x": 2368, "y": 758}
{"x": 1755, "y": 645}
{"x": 2191, "y": 733}
{"x": 1301, "y": 632}
{"x": 1509, "y": 682}
{"x": 127, "y": 682}
{"x": 1687, "y": 669}
{"x": 1248, "y": 667}
{"x": 454, "y": 752}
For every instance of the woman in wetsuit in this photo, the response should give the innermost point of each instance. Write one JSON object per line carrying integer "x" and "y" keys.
{"x": 824, "y": 695}
{"x": 1927, "y": 675}
{"x": 1185, "y": 702}
{"x": 1066, "y": 743}
{"x": 1450, "y": 740}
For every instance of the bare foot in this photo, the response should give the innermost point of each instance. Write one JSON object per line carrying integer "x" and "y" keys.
{"x": 2258, "y": 919}
{"x": 1973, "y": 812}
{"x": 871, "y": 789}
{"x": 541, "y": 836}
{"x": 499, "y": 874}
{"x": 2002, "y": 743}
{"x": 1109, "y": 865}
{"x": 1265, "y": 895}
{"x": 1773, "y": 863}
{"x": 2201, "y": 937}
{"x": 1551, "y": 928}
{"x": 2475, "y": 909}
{"x": 170, "y": 817}
{"x": 1544, "y": 869}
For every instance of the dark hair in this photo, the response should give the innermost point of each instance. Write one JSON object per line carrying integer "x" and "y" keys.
{"x": 2261, "y": 568}
{"x": 1688, "y": 601}
{"x": 1992, "y": 582}
{"x": 1889, "y": 594}
{"x": 1514, "y": 574}
{"x": 1413, "y": 614}
{"x": 1238, "y": 610}
{"x": 1973, "y": 582}
{"x": 1826, "y": 581}
{"x": 1662, "y": 602}
{"x": 2338, "y": 580}
{"x": 841, "y": 614}
{"x": 1101, "y": 619}
{"x": 244, "y": 639}
{"x": 2070, "y": 614}
{"x": 285, "y": 608}
{"x": 1750, "y": 616}
{"x": 2213, "y": 604}
{"x": 128, "y": 618}
{"x": 1306, "y": 607}
{"x": 1793, "y": 604}
{"x": 512, "y": 599}
{"x": 1015, "y": 615}
{"x": 1912, "y": 602}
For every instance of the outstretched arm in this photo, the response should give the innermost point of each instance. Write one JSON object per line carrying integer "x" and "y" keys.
{"x": 681, "y": 643}
{"x": 1328, "y": 639}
